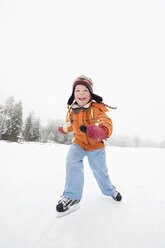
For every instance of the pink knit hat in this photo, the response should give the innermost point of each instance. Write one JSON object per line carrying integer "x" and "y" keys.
{"x": 84, "y": 81}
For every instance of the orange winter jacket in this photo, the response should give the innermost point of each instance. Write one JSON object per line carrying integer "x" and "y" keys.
{"x": 91, "y": 113}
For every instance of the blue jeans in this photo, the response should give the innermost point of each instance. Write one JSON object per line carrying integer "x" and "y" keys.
{"x": 75, "y": 171}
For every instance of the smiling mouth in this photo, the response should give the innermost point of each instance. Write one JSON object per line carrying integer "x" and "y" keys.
{"x": 82, "y": 99}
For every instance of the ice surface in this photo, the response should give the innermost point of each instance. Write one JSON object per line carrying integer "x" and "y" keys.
{"x": 32, "y": 177}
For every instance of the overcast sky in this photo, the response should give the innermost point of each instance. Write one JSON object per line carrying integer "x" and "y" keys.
{"x": 46, "y": 44}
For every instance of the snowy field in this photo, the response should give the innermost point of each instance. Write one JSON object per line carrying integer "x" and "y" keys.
{"x": 32, "y": 179}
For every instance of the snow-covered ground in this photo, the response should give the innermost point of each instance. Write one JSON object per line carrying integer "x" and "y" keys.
{"x": 32, "y": 179}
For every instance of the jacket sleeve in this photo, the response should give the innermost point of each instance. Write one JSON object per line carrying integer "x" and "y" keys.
{"x": 102, "y": 119}
{"x": 67, "y": 127}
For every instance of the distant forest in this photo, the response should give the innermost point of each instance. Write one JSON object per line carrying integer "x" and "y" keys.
{"x": 14, "y": 129}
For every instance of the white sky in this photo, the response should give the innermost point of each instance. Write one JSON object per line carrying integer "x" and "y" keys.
{"x": 46, "y": 44}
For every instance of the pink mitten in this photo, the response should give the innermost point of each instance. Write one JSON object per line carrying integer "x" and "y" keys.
{"x": 60, "y": 129}
{"x": 94, "y": 132}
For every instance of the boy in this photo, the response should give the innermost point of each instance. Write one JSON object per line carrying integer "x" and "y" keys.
{"x": 86, "y": 117}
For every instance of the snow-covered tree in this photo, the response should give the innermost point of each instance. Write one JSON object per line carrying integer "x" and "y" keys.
{"x": 36, "y": 130}
{"x": 2, "y": 119}
{"x": 16, "y": 122}
{"x": 11, "y": 120}
{"x": 54, "y": 135}
{"x": 51, "y": 130}
{"x": 8, "y": 113}
{"x": 44, "y": 137}
{"x": 28, "y": 129}
{"x": 32, "y": 129}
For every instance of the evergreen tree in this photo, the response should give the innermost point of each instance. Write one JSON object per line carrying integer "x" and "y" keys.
{"x": 28, "y": 128}
{"x": 2, "y": 118}
{"x": 32, "y": 130}
{"x": 36, "y": 130}
{"x": 52, "y": 131}
{"x": 44, "y": 137}
{"x": 54, "y": 135}
{"x": 16, "y": 122}
{"x": 12, "y": 120}
{"x": 8, "y": 113}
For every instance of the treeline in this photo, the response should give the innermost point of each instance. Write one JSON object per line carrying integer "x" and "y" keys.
{"x": 13, "y": 127}
{"x": 126, "y": 141}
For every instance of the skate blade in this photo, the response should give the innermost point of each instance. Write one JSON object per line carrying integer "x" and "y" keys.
{"x": 69, "y": 211}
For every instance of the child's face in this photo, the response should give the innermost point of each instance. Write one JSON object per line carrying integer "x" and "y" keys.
{"x": 81, "y": 95}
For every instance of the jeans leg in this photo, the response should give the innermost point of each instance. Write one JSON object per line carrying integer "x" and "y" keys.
{"x": 74, "y": 172}
{"x": 97, "y": 162}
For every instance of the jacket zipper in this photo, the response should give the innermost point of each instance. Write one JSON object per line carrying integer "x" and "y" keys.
{"x": 85, "y": 133}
